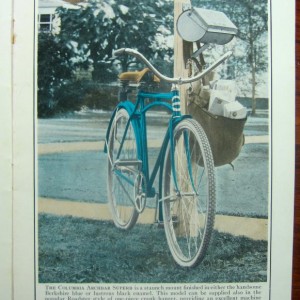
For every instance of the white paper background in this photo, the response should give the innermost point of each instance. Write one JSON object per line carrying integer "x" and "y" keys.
{"x": 6, "y": 151}
{"x": 283, "y": 145}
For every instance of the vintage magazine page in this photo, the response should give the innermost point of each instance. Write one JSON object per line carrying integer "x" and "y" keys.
{"x": 117, "y": 201}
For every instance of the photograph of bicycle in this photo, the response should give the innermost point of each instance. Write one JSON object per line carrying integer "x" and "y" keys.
{"x": 185, "y": 166}
{"x": 154, "y": 153}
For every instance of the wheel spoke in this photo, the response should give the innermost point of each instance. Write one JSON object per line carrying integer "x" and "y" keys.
{"x": 121, "y": 145}
{"x": 189, "y": 219}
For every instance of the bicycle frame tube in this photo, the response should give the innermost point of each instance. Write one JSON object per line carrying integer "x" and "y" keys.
{"x": 138, "y": 119}
{"x": 176, "y": 118}
{"x": 159, "y": 100}
{"x": 139, "y": 122}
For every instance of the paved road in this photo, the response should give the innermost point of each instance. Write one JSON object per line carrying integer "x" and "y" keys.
{"x": 81, "y": 175}
{"x": 91, "y": 126}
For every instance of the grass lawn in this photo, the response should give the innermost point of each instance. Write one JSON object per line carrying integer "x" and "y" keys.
{"x": 75, "y": 250}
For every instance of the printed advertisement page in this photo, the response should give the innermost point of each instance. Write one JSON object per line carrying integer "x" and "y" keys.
{"x": 153, "y": 149}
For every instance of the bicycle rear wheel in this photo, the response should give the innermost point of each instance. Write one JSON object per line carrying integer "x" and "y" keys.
{"x": 122, "y": 147}
{"x": 189, "y": 194}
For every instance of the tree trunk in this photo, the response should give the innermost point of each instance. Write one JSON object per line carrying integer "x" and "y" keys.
{"x": 253, "y": 69}
{"x": 253, "y": 64}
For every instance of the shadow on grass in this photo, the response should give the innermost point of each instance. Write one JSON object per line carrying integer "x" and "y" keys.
{"x": 75, "y": 250}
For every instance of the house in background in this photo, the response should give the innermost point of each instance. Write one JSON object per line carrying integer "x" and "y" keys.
{"x": 47, "y": 19}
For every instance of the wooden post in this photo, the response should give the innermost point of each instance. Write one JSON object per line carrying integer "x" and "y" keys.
{"x": 182, "y": 51}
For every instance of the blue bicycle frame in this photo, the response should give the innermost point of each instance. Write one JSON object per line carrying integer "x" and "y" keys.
{"x": 138, "y": 120}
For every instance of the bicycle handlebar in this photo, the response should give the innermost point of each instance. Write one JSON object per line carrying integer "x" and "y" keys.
{"x": 175, "y": 80}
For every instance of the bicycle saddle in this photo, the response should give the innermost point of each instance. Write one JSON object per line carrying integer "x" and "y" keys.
{"x": 137, "y": 76}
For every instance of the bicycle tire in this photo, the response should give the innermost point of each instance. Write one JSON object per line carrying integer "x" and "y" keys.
{"x": 189, "y": 230}
{"x": 120, "y": 191}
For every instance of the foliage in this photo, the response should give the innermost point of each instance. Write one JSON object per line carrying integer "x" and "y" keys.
{"x": 99, "y": 27}
{"x": 87, "y": 38}
{"x": 100, "y": 96}
{"x": 54, "y": 71}
{"x": 89, "y": 35}
{"x": 58, "y": 89}
{"x": 70, "y": 96}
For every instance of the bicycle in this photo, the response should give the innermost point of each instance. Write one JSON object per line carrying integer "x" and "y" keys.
{"x": 185, "y": 198}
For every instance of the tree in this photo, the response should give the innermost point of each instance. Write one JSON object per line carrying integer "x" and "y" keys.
{"x": 100, "y": 27}
{"x": 54, "y": 70}
{"x": 251, "y": 19}
{"x": 252, "y": 29}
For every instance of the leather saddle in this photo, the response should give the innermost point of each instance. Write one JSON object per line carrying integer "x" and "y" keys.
{"x": 138, "y": 76}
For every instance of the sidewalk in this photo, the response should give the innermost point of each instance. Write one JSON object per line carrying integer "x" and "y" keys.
{"x": 94, "y": 146}
{"x": 253, "y": 228}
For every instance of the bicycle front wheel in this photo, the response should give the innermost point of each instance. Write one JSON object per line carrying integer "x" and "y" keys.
{"x": 122, "y": 146}
{"x": 188, "y": 193}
